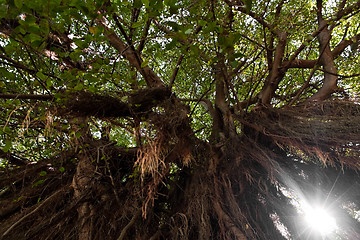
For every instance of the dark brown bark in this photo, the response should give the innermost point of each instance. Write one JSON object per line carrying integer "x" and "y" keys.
{"x": 189, "y": 188}
{"x": 223, "y": 125}
{"x": 26, "y": 96}
{"x": 343, "y": 44}
{"x": 139, "y": 104}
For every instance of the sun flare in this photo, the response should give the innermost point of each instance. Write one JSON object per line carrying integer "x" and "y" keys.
{"x": 320, "y": 220}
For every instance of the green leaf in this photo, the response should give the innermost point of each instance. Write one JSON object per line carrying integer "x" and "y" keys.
{"x": 7, "y": 146}
{"x": 30, "y": 20}
{"x": 18, "y": 199}
{"x": 173, "y": 10}
{"x": 62, "y": 169}
{"x": 78, "y": 134}
{"x": 221, "y": 40}
{"x": 35, "y": 4}
{"x": 202, "y": 23}
{"x": 43, "y": 173}
{"x": 38, "y": 44}
{"x": 81, "y": 44}
{"x": 145, "y": 63}
{"x": 137, "y": 24}
{"x": 79, "y": 87}
{"x": 248, "y": 5}
{"x": 137, "y": 3}
{"x": 38, "y": 183}
{"x": 35, "y": 38}
{"x": 44, "y": 26}
{"x": 41, "y": 76}
{"x": 93, "y": 30}
{"x": 238, "y": 55}
{"x": 172, "y": 44}
{"x": 234, "y": 64}
{"x": 168, "y": 2}
{"x": 7, "y": 74}
{"x": 3, "y": 9}
{"x": 188, "y": 31}
{"x": 18, "y": 3}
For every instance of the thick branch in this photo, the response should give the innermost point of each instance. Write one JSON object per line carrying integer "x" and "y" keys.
{"x": 305, "y": 63}
{"x": 300, "y": 63}
{"x": 13, "y": 159}
{"x": 26, "y": 96}
{"x": 341, "y": 13}
{"x": 345, "y": 11}
{"x": 220, "y": 105}
{"x": 275, "y": 75}
{"x": 343, "y": 44}
{"x": 223, "y": 124}
{"x": 326, "y": 60}
{"x": 17, "y": 64}
{"x": 151, "y": 78}
{"x": 139, "y": 103}
{"x": 297, "y": 63}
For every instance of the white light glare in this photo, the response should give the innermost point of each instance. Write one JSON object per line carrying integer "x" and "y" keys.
{"x": 320, "y": 220}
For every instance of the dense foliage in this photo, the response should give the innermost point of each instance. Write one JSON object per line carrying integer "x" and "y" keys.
{"x": 178, "y": 119}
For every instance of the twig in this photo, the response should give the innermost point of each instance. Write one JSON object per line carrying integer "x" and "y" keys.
{"x": 176, "y": 70}
{"x": 305, "y": 85}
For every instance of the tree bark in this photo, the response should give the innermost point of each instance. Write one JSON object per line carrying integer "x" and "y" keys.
{"x": 326, "y": 60}
{"x": 81, "y": 184}
{"x": 83, "y": 180}
{"x": 275, "y": 74}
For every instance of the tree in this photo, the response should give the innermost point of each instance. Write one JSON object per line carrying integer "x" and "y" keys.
{"x": 178, "y": 119}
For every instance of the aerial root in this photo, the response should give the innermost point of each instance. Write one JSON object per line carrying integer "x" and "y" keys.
{"x": 47, "y": 202}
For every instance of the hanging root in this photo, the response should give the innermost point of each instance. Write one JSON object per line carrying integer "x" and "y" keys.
{"x": 328, "y": 131}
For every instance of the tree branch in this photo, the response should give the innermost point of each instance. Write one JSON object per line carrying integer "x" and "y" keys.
{"x": 151, "y": 78}
{"x": 129, "y": 225}
{"x": 344, "y": 11}
{"x": 174, "y": 74}
{"x": 305, "y": 63}
{"x": 275, "y": 75}
{"x": 259, "y": 19}
{"x": 326, "y": 60}
{"x": 143, "y": 38}
{"x": 343, "y": 44}
{"x": 14, "y": 159}
{"x": 26, "y": 96}
{"x": 321, "y": 27}
{"x": 139, "y": 103}
{"x": 303, "y": 87}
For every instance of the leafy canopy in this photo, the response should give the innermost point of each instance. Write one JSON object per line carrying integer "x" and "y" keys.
{"x": 230, "y": 106}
